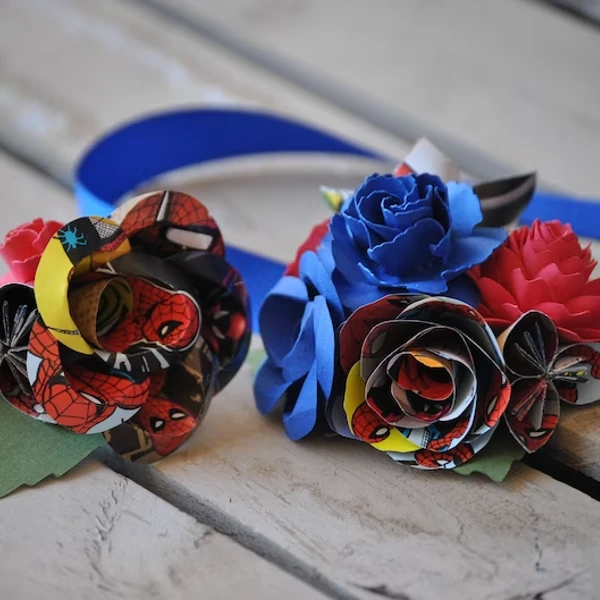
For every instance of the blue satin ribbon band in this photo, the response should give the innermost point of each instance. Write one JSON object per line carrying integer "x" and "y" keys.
{"x": 141, "y": 150}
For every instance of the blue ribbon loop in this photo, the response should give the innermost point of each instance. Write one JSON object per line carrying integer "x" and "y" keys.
{"x": 141, "y": 150}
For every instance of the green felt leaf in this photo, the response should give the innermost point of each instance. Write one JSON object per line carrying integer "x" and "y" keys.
{"x": 31, "y": 450}
{"x": 496, "y": 459}
{"x": 255, "y": 358}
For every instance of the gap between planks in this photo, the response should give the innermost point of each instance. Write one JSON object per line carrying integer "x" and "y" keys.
{"x": 252, "y": 479}
{"x": 406, "y": 127}
{"x": 206, "y": 512}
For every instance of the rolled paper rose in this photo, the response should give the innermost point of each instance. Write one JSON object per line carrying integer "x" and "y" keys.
{"x": 411, "y": 233}
{"x": 141, "y": 322}
{"x": 542, "y": 268}
{"x": 23, "y": 247}
{"x": 542, "y": 373}
{"x": 425, "y": 380}
{"x": 298, "y": 320}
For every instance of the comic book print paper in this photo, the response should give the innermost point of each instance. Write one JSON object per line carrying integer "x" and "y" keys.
{"x": 133, "y": 324}
{"x": 428, "y": 385}
{"x": 542, "y": 374}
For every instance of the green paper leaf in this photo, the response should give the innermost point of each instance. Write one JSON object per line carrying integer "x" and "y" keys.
{"x": 31, "y": 450}
{"x": 496, "y": 459}
{"x": 255, "y": 358}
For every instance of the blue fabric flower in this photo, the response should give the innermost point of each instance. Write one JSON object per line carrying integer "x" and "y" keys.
{"x": 411, "y": 233}
{"x": 298, "y": 320}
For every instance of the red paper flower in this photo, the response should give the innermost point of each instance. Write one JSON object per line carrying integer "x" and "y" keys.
{"x": 311, "y": 243}
{"x": 23, "y": 247}
{"x": 542, "y": 268}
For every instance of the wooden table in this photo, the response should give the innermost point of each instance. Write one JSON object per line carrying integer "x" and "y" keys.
{"x": 241, "y": 510}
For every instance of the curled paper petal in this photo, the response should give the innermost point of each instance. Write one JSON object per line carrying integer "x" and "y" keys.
{"x": 178, "y": 401}
{"x": 298, "y": 321}
{"x": 166, "y": 222}
{"x": 76, "y": 249}
{"x": 157, "y": 319}
{"x": 77, "y": 397}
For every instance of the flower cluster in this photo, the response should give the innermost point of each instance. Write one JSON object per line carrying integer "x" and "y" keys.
{"x": 407, "y": 323}
{"x": 125, "y": 326}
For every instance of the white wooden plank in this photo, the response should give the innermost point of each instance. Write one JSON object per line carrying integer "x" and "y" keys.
{"x": 340, "y": 509}
{"x": 95, "y": 534}
{"x": 84, "y": 66}
{"x": 514, "y": 79}
{"x": 373, "y": 526}
{"x": 27, "y": 195}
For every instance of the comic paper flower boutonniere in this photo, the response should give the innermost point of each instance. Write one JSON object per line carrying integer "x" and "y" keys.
{"x": 440, "y": 339}
{"x": 133, "y": 323}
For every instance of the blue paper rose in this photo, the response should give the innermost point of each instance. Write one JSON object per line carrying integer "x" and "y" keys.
{"x": 298, "y": 320}
{"x": 411, "y": 233}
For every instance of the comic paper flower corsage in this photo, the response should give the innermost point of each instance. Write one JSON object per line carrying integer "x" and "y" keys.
{"x": 412, "y": 321}
{"x": 124, "y": 326}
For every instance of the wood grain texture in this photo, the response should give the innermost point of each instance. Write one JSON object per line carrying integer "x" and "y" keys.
{"x": 95, "y": 534}
{"x": 333, "y": 509}
{"x": 85, "y": 66}
{"x": 514, "y": 79}
{"x": 374, "y": 527}
{"x": 28, "y": 195}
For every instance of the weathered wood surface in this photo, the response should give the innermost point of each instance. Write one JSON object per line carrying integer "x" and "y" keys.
{"x": 335, "y": 512}
{"x": 27, "y": 195}
{"x": 95, "y": 534}
{"x": 85, "y": 66}
{"x": 513, "y": 79}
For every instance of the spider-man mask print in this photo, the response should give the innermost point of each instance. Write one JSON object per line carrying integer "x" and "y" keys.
{"x": 140, "y": 341}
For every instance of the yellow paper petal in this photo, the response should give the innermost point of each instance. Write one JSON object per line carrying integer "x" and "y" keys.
{"x": 52, "y": 279}
{"x": 354, "y": 397}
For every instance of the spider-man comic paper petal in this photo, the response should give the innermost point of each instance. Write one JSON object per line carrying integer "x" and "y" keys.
{"x": 226, "y": 324}
{"x": 19, "y": 313}
{"x": 75, "y": 249}
{"x": 542, "y": 374}
{"x": 150, "y": 317}
{"x": 176, "y": 406}
{"x": 166, "y": 222}
{"x": 85, "y": 398}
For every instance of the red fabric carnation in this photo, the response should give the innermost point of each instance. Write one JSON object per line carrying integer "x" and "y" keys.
{"x": 23, "y": 247}
{"x": 542, "y": 268}
{"x": 312, "y": 243}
